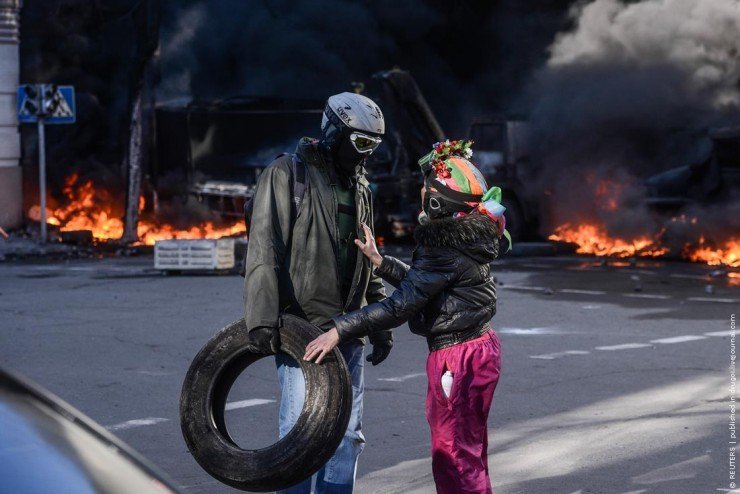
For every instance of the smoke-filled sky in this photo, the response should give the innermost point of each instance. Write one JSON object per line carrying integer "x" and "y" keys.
{"x": 614, "y": 89}
{"x": 465, "y": 55}
{"x": 642, "y": 67}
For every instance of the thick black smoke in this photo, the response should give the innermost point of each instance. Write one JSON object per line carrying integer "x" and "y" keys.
{"x": 96, "y": 47}
{"x": 469, "y": 57}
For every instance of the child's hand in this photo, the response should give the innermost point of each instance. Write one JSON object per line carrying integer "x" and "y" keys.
{"x": 321, "y": 346}
{"x": 368, "y": 247}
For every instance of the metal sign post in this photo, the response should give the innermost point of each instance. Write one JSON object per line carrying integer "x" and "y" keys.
{"x": 44, "y": 104}
{"x": 42, "y": 176}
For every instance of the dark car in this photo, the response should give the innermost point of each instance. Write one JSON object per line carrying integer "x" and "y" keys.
{"x": 48, "y": 446}
{"x": 715, "y": 179}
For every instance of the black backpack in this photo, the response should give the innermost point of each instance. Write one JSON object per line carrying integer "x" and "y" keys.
{"x": 298, "y": 187}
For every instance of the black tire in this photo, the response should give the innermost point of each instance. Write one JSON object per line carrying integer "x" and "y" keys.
{"x": 304, "y": 450}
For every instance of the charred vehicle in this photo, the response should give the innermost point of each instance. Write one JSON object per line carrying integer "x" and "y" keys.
{"x": 502, "y": 152}
{"x": 715, "y": 179}
{"x": 215, "y": 151}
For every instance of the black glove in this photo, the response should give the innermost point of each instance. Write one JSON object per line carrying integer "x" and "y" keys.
{"x": 265, "y": 340}
{"x": 382, "y": 343}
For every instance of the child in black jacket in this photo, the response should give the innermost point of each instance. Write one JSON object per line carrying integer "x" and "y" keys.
{"x": 448, "y": 296}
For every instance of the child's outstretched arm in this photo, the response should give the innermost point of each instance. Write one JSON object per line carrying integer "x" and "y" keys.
{"x": 430, "y": 273}
{"x": 428, "y": 276}
{"x": 392, "y": 270}
{"x": 388, "y": 268}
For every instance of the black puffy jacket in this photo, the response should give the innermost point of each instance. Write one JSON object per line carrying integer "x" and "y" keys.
{"x": 447, "y": 289}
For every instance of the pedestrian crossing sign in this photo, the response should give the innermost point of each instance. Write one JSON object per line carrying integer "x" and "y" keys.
{"x": 55, "y": 103}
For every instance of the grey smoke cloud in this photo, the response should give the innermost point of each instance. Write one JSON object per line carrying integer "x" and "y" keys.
{"x": 697, "y": 38}
{"x": 176, "y": 46}
{"x": 627, "y": 92}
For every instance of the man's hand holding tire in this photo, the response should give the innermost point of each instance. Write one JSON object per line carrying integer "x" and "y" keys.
{"x": 265, "y": 340}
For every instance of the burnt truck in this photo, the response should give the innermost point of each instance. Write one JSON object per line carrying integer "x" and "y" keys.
{"x": 503, "y": 154}
{"x": 714, "y": 179}
{"x": 214, "y": 151}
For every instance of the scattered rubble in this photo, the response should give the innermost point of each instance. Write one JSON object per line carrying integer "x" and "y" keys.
{"x": 24, "y": 244}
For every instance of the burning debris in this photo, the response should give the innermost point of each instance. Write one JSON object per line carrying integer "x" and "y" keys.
{"x": 726, "y": 253}
{"x": 594, "y": 240}
{"x": 627, "y": 94}
{"x": 86, "y": 207}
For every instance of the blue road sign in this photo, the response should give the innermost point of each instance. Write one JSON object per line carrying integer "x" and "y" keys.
{"x": 61, "y": 100}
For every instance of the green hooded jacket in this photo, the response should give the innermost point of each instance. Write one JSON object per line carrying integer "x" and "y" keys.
{"x": 292, "y": 264}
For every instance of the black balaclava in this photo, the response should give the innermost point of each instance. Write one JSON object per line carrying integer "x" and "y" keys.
{"x": 335, "y": 141}
{"x": 345, "y": 156}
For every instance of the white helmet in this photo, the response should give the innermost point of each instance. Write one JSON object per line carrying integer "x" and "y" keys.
{"x": 353, "y": 111}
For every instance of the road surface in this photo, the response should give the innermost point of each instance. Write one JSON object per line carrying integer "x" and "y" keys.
{"x": 615, "y": 375}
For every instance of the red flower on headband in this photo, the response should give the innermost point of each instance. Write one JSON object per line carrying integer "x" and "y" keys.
{"x": 441, "y": 170}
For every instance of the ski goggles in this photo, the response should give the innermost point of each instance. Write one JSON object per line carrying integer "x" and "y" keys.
{"x": 363, "y": 143}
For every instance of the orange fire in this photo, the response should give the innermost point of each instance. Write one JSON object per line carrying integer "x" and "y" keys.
{"x": 91, "y": 208}
{"x": 608, "y": 194}
{"x": 733, "y": 279}
{"x": 726, "y": 253}
{"x": 593, "y": 239}
{"x": 151, "y": 232}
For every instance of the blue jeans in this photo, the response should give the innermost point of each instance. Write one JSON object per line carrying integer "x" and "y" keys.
{"x": 338, "y": 475}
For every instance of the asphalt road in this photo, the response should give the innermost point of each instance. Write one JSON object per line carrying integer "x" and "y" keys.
{"x": 615, "y": 376}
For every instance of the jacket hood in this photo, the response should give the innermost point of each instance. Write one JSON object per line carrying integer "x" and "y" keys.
{"x": 475, "y": 235}
{"x": 308, "y": 149}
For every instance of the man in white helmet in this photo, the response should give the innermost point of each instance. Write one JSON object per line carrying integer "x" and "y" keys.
{"x": 302, "y": 259}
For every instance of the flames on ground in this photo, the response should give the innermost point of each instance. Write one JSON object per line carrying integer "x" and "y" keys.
{"x": 593, "y": 237}
{"x": 727, "y": 252}
{"x": 87, "y": 207}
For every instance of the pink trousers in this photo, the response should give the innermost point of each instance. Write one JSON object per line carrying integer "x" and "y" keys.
{"x": 459, "y": 424}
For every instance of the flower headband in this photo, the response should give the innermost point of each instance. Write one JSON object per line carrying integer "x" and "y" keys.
{"x": 442, "y": 151}
{"x": 490, "y": 204}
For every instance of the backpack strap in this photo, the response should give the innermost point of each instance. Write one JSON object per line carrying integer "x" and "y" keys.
{"x": 297, "y": 187}
{"x": 298, "y": 183}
